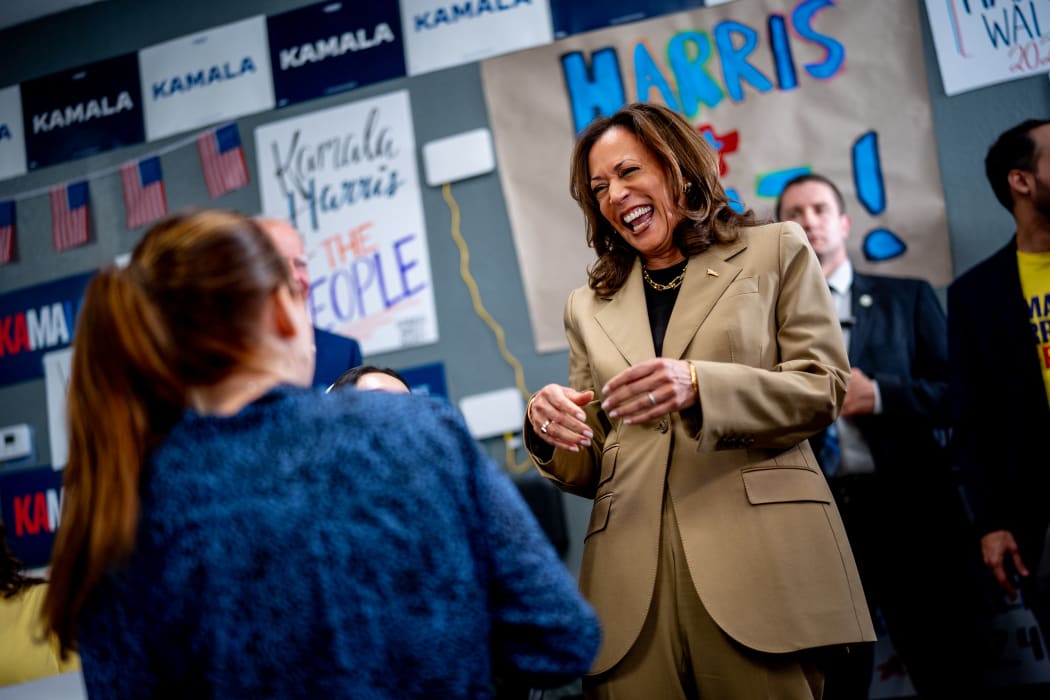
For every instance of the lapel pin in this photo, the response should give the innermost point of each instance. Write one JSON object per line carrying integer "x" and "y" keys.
{"x": 712, "y": 272}
{"x": 866, "y": 300}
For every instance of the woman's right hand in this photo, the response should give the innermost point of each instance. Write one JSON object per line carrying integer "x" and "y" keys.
{"x": 556, "y": 414}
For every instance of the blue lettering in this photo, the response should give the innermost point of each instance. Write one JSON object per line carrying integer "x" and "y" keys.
{"x": 404, "y": 266}
{"x": 735, "y": 67}
{"x": 787, "y": 78}
{"x": 801, "y": 18}
{"x": 595, "y": 92}
{"x": 647, "y": 76}
{"x": 5, "y": 133}
{"x": 688, "y": 54}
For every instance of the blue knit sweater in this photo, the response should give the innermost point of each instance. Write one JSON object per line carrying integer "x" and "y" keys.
{"x": 350, "y": 545}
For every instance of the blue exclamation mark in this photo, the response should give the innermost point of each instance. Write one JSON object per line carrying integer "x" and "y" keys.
{"x": 879, "y": 244}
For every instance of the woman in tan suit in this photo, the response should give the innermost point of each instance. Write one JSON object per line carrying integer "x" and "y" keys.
{"x": 702, "y": 354}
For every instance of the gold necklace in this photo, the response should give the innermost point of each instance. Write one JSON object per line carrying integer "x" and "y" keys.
{"x": 673, "y": 284}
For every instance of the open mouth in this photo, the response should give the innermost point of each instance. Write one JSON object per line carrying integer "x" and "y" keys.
{"x": 638, "y": 217}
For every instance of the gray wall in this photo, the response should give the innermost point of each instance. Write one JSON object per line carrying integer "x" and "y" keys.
{"x": 443, "y": 103}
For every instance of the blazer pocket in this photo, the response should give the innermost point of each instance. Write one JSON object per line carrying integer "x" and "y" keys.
{"x": 744, "y": 285}
{"x": 599, "y": 515}
{"x": 784, "y": 485}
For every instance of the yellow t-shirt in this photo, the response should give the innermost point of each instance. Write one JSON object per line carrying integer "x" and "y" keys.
{"x": 27, "y": 655}
{"x": 1035, "y": 283}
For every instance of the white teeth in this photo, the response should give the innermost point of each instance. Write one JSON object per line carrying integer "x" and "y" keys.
{"x": 630, "y": 216}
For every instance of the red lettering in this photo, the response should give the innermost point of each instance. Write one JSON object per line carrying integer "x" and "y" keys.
{"x": 23, "y": 523}
{"x": 1046, "y": 356}
{"x": 40, "y": 506}
{"x": 19, "y": 341}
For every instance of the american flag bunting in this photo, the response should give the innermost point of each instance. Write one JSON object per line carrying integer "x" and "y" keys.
{"x": 144, "y": 198}
{"x": 7, "y": 231}
{"x": 69, "y": 215}
{"x": 222, "y": 160}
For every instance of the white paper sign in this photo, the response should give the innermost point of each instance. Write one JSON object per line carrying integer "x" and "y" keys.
{"x": 57, "y": 367}
{"x": 205, "y": 78}
{"x": 12, "y": 138}
{"x": 346, "y": 177}
{"x": 983, "y": 42}
{"x": 440, "y": 34}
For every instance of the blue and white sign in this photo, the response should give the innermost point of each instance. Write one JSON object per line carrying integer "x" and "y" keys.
{"x": 205, "y": 78}
{"x": 347, "y": 178}
{"x": 83, "y": 111}
{"x": 12, "y": 137}
{"x": 31, "y": 506}
{"x": 444, "y": 33}
{"x": 331, "y": 47}
{"x": 37, "y": 320}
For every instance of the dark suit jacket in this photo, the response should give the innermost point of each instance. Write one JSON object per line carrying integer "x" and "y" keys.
{"x": 335, "y": 355}
{"x": 1001, "y": 409}
{"x": 899, "y": 339}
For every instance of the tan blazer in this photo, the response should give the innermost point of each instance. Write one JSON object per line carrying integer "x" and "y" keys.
{"x": 762, "y": 536}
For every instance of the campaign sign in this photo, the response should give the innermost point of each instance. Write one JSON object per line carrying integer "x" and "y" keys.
{"x": 31, "y": 506}
{"x": 444, "y": 33}
{"x": 346, "y": 178}
{"x": 205, "y": 78}
{"x": 12, "y": 138}
{"x": 575, "y": 17}
{"x": 37, "y": 320}
{"x": 984, "y": 43}
{"x": 82, "y": 111}
{"x": 331, "y": 47}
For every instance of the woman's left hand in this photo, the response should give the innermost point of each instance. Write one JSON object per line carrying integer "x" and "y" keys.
{"x": 649, "y": 390}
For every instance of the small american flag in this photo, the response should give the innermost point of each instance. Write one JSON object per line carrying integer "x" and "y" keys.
{"x": 222, "y": 160}
{"x": 69, "y": 215}
{"x": 144, "y": 197}
{"x": 7, "y": 231}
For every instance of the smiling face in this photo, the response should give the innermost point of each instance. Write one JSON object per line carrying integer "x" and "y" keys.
{"x": 634, "y": 195}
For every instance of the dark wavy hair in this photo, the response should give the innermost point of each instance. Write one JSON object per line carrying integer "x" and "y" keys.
{"x": 691, "y": 166}
{"x": 1015, "y": 149}
{"x": 12, "y": 580}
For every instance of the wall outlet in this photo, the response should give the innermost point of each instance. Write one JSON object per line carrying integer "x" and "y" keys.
{"x": 493, "y": 413}
{"x": 16, "y": 442}
{"x": 458, "y": 157}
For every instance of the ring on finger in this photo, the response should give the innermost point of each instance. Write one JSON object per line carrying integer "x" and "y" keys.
{"x": 543, "y": 428}
{"x": 652, "y": 399}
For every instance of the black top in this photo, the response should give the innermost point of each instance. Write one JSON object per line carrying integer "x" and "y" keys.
{"x": 661, "y": 303}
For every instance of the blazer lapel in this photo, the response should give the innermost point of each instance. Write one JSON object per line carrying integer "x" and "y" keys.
{"x": 706, "y": 278}
{"x": 862, "y": 306}
{"x": 625, "y": 319}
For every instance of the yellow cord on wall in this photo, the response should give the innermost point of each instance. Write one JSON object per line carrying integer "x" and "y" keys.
{"x": 482, "y": 312}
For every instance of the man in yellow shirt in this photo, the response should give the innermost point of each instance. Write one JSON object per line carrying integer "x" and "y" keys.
{"x": 999, "y": 348}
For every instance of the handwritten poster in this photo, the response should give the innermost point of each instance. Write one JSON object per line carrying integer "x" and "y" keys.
{"x": 346, "y": 178}
{"x": 205, "y": 78}
{"x": 983, "y": 42}
{"x": 12, "y": 137}
{"x": 776, "y": 88}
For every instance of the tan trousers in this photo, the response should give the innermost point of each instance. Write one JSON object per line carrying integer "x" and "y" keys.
{"x": 681, "y": 654}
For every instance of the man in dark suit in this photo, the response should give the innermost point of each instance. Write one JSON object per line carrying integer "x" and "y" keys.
{"x": 335, "y": 353}
{"x": 887, "y": 465}
{"x": 999, "y": 324}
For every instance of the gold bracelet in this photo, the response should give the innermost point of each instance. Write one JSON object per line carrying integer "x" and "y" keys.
{"x": 692, "y": 378}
